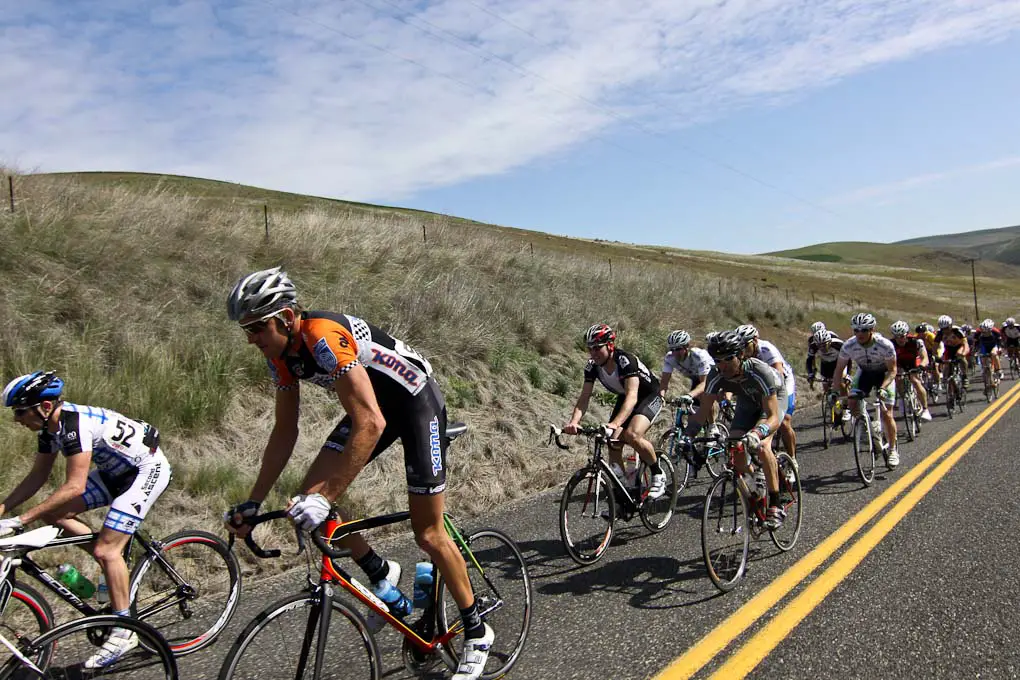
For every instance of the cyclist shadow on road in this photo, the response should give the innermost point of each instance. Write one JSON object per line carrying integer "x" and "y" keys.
{"x": 650, "y": 582}
{"x": 844, "y": 481}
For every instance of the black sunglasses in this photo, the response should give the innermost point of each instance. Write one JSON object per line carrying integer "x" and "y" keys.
{"x": 21, "y": 411}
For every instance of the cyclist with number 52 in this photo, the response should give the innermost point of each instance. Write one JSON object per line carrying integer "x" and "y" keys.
{"x": 388, "y": 393}
{"x": 131, "y": 472}
{"x": 761, "y": 397}
{"x": 638, "y": 402}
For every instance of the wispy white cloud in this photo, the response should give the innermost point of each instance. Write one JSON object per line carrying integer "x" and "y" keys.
{"x": 380, "y": 98}
{"x": 880, "y": 194}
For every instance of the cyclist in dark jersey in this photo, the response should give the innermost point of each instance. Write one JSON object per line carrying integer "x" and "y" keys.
{"x": 388, "y": 393}
{"x": 638, "y": 401}
{"x": 759, "y": 390}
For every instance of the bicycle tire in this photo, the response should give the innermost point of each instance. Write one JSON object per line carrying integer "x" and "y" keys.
{"x": 951, "y": 397}
{"x": 828, "y": 421}
{"x": 501, "y": 561}
{"x": 864, "y": 450}
{"x": 195, "y": 556}
{"x": 656, "y": 513}
{"x": 1014, "y": 368}
{"x": 152, "y": 658}
{"x": 725, "y": 514}
{"x": 907, "y": 405}
{"x": 715, "y": 454}
{"x": 27, "y": 616}
{"x": 585, "y": 534}
{"x": 667, "y": 448}
{"x": 785, "y": 537}
{"x": 345, "y": 648}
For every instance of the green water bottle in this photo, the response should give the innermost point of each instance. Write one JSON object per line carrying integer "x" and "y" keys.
{"x": 75, "y": 582}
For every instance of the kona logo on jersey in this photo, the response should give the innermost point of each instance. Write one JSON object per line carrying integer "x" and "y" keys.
{"x": 324, "y": 356}
{"x": 434, "y": 446}
{"x": 391, "y": 362}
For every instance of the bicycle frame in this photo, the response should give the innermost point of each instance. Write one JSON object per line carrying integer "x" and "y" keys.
{"x": 7, "y": 567}
{"x": 151, "y": 547}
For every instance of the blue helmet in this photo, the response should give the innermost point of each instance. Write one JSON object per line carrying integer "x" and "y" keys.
{"x": 32, "y": 389}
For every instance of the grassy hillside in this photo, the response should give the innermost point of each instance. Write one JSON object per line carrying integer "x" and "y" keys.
{"x": 118, "y": 281}
{"x": 1001, "y": 245}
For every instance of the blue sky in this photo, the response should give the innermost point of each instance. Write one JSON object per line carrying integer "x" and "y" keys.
{"x": 734, "y": 125}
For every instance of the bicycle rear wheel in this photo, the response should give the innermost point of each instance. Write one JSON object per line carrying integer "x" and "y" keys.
{"x": 715, "y": 454}
{"x": 725, "y": 538}
{"x": 70, "y": 647}
{"x": 656, "y": 513}
{"x": 585, "y": 533}
{"x": 785, "y": 537}
{"x": 280, "y": 643}
{"x": 502, "y": 588}
{"x": 189, "y": 591}
{"x": 827, "y": 421}
{"x": 26, "y": 617}
{"x": 907, "y": 406}
{"x": 864, "y": 450}
{"x": 667, "y": 448}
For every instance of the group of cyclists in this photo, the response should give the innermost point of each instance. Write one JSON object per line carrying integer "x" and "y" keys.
{"x": 740, "y": 366}
{"x": 388, "y": 392}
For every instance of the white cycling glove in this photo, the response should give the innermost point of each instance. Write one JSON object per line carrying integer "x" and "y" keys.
{"x": 753, "y": 440}
{"x": 10, "y": 525}
{"x": 309, "y": 510}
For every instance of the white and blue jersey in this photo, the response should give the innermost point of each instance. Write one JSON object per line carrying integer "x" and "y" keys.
{"x": 131, "y": 471}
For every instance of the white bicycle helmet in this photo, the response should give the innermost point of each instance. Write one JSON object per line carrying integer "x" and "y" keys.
{"x": 899, "y": 329}
{"x": 1009, "y": 322}
{"x": 945, "y": 321}
{"x": 747, "y": 333}
{"x": 863, "y": 322}
{"x": 678, "y": 339}
{"x": 987, "y": 325}
{"x": 817, "y": 326}
{"x": 822, "y": 337}
{"x": 261, "y": 293}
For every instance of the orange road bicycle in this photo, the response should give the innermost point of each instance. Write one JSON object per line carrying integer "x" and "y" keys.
{"x": 312, "y": 634}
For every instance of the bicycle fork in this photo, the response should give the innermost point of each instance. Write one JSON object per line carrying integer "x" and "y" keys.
{"x": 319, "y": 615}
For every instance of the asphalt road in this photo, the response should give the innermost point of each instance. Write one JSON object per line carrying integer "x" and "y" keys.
{"x": 935, "y": 594}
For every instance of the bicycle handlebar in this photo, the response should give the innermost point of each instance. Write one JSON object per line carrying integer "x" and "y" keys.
{"x": 555, "y": 433}
{"x": 249, "y": 539}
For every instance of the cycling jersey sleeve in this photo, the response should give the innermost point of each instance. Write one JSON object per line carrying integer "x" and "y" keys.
{"x": 627, "y": 366}
{"x": 591, "y": 371}
{"x": 67, "y": 440}
{"x": 668, "y": 365}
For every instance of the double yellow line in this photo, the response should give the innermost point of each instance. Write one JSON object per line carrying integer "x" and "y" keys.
{"x": 762, "y": 643}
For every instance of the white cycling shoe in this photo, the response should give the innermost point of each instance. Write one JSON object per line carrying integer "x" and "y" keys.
{"x": 658, "y": 486}
{"x": 893, "y": 459}
{"x": 926, "y": 415}
{"x": 120, "y": 642}
{"x": 474, "y": 656}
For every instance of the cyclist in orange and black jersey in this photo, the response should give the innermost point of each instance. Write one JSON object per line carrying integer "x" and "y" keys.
{"x": 910, "y": 355}
{"x": 388, "y": 392}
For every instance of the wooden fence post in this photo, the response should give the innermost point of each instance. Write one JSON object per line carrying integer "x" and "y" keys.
{"x": 10, "y": 189}
{"x": 265, "y": 218}
{"x": 424, "y": 236}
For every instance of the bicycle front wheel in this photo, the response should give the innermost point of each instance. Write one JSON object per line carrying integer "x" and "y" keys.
{"x": 907, "y": 407}
{"x": 502, "y": 588}
{"x": 785, "y": 537}
{"x": 828, "y": 421}
{"x": 667, "y": 448}
{"x": 188, "y": 589}
{"x": 280, "y": 643}
{"x": 715, "y": 453}
{"x": 70, "y": 649}
{"x": 656, "y": 513}
{"x": 585, "y": 532}
{"x": 725, "y": 539}
{"x": 864, "y": 450}
{"x": 26, "y": 617}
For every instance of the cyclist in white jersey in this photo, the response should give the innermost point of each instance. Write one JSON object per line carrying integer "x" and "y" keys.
{"x": 131, "y": 472}
{"x": 693, "y": 362}
{"x": 875, "y": 357}
{"x": 756, "y": 348}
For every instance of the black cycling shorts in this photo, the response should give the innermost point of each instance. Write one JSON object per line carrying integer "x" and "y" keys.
{"x": 1012, "y": 342}
{"x": 648, "y": 407}
{"x": 419, "y": 421}
{"x": 827, "y": 369}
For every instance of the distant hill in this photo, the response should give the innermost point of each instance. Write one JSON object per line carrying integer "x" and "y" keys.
{"x": 1002, "y": 245}
{"x": 911, "y": 254}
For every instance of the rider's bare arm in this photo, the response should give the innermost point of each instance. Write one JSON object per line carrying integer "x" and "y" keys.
{"x": 31, "y": 484}
{"x": 367, "y": 424}
{"x": 280, "y": 445}
{"x": 73, "y": 486}
{"x": 581, "y": 407}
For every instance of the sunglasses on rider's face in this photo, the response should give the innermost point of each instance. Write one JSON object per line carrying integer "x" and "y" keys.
{"x": 257, "y": 326}
{"x": 22, "y": 411}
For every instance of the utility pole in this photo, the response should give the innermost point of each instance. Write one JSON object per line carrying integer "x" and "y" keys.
{"x": 973, "y": 280}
